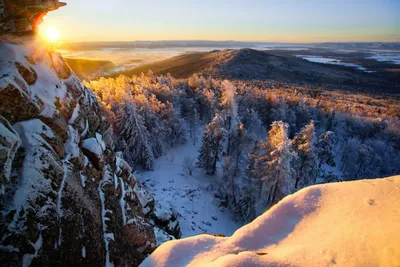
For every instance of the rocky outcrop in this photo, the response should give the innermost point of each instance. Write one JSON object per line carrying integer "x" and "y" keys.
{"x": 66, "y": 197}
{"x": 23, "y": 17}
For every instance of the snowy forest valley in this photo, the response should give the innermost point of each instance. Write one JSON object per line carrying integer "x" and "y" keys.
{"x": 198, "y": 153}
{"x": 221, "y": 152}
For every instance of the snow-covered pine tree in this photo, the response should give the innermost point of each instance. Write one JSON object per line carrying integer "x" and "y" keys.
{"x": 229, "y": 111}
{"x": 173, "y": 130}
{"x": 326, "y": 154}
{"x": 253, "y": 124}
{"x": 274, "y": 166}
{"x": 132, "y": 129}
{"x": 212, "y": 145}
{"x": 147, "y": 108}
{"x": 245, "y": 209}
{"x": 307, "y": 165}
{"x": 234, "y": 164}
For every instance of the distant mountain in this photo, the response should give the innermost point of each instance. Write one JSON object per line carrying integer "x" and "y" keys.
{"x": 250, "y": 64}
{"x": 360, "y": 46}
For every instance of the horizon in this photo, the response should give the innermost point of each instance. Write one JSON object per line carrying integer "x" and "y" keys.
{"x": 255, "y": 21}
{"x": 234, "y": 41}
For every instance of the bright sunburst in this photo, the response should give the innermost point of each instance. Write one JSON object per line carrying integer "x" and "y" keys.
{"x": 52, "y": 34}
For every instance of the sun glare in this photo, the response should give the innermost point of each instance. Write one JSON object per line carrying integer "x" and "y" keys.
{"x": 52, "y": 34}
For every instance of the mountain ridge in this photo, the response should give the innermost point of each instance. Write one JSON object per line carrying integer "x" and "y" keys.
{"x": 251, "y": 64}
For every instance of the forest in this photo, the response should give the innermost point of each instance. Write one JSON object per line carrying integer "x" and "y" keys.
{"x": 261, "y": 140}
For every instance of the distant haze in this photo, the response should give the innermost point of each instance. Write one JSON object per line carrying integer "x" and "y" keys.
{"x": 251, "y": 20}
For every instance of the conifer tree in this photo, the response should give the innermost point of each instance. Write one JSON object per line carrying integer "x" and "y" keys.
{"x": 253, "y": 124}
{"x": 274, "y": 166}
{"x": 326, "y": 154}
{"x": 304, "y": 144}
{"x": 212, "y": 145}
{"x": 137, "y": 139}
{"x": 246, "y": 206}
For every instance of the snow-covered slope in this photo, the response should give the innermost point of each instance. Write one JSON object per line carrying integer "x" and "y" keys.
{"x": 176, "y": 190}
{"x": 343, "y": 224}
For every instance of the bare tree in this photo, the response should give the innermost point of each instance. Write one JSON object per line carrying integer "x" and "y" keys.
{"x": 188, "y": 164}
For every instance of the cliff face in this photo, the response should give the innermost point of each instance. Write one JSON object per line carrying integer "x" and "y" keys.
{"x": 66, "y": 197}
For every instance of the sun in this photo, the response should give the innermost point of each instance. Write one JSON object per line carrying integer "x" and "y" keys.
{"x": 52, "y": 34}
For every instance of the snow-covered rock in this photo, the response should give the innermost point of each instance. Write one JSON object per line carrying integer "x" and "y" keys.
{"x": 65, "y": 197}
{"x": 167, "y": 219}
{"x": 9, "y": 143}
{"x": 342, "y": 224}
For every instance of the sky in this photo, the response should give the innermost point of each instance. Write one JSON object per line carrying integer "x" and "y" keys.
{"x": 242, "y": 20}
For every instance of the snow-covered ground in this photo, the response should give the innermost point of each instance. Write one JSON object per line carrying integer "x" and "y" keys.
{"x": 333, "y": 61}
{"x": 391, "y": 58}
{"x": 191, "y": 196}
{"x": 343, "y": 224}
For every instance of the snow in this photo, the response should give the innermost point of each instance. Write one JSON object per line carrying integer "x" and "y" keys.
{"x": 162, "y": 213}
{"x": 344, "y": 224}
{"x": 10, "y": 138}
{"x": 144, "y": 197}
{"x": 31, "y": 181}
{"x": 48, "y": 88}
{"x": 84, "y": 252}
{"x": 175, "y": 190}
{"x": 106, "y": 236}
{"x": 59, "y": 202}
{"x": 85, "y": 131}
{"x": 161, "y": 236}
{"x": 391, "y": 58}
{"x": 93, "y": 145}
{"x": 75, "y": 114}
{"x": 122, "y": 201}
{"x": 9, "y": 248}
{"x": 99, "y": 139}
{"x": 71, "y": 146}
{"x": 27, "y": 258}
{"x": 71, "y": 150}
{"x": 333, "y": 61}
{"x": 83, "y": 179}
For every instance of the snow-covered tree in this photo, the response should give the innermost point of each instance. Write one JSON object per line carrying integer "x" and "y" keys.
{"x": 229, "y": 110}
{"x": 188, "y": 165}
{"x": 307, "y": 165}
{"x": 137, "y": 139}
{"x": 147, "y": 108}
{"x": 274, "y": 166}
{"x": 326, "y": 154}
{"x": 245, "y": 209}
{"x": 253, "y": 124}
{"x": 212, "y": 145}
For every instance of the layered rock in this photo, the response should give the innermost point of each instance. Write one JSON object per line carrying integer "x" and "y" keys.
{"x": 23, "y": 17}
{"x": 66, "y": 198}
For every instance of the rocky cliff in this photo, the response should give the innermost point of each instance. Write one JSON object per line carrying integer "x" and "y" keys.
{"x": 66, "y": 198}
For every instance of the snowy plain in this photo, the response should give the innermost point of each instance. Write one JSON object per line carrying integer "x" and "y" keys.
{"x": 190, "y": 195}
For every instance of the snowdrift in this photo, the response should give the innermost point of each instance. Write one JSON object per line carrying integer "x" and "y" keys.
{"x": 344, "y": 224}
